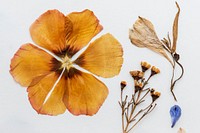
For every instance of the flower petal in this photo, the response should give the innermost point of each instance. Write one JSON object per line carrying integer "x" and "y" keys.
{"x": 85, "y": 94}
{"x": 50, "y": 30}
{"x": 29, "y": 62}
{"x": 85, "y": 27}
{"x": 175, "y": 113}
{"x": 143, "y": 35}
{"x": 103, "y": 57}
{"x": 181, "y": 130}
{"x": 44, "y": 97}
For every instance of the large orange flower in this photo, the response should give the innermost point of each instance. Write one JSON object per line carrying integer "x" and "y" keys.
{"x": 54, "y": 84}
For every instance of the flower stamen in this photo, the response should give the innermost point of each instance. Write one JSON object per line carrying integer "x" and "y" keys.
{"x": 66, "y": 63}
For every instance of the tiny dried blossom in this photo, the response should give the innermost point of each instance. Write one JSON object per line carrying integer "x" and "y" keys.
{"x": 154, "y": 94}
{"x": 145, "y": 66}
{"x": 154, "y": 70}
{"x": 138, "y": 85}
{"x": 175, "y": 113}
{"x": 137, "y": 74}
{"x": 54, "y": 84}
{"x": 123, "y": 84}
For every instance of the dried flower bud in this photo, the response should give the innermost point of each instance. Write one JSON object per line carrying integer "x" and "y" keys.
{"x": 176, "y": 57}
{"x": 154, "y": 70}
{"x": 145, "y": 66}
{"x": 155, "y": 95}
{"x": 123, "y": 84}
{"x": 138, "y": 86}
{"x": 137, "y": 74}
{"x": 152, "y": 90}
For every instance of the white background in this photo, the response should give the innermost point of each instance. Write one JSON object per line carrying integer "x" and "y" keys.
{"x": 116, "y": 16}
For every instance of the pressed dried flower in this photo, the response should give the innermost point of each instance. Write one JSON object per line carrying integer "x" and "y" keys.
{"x": 154, "y": 70}
{"x": 137, "y": 74}
{"x": 143, "y": 35}
{"x": 181, "y": 130}
{"x": 175, "y": 113}
{"x": 145, "y": 66}
{"x": 54, "y": 84}
{"x": 138, "y": 85}
{"x": 154, "y": 94}
{"x": 123, "y": 84}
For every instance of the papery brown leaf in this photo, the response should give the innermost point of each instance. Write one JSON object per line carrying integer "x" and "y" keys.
{"x": 144, "y": 35}
{"x": 181, "y": 130}
{"x": 175, "y": 29}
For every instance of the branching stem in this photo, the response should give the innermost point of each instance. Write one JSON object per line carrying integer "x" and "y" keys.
{"x": 129, "y": 117}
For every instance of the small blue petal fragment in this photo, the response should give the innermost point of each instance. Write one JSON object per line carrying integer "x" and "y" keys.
{"x": 175, "y": 113}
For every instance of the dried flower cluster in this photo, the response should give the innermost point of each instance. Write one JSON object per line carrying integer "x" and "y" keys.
{"x": 143, "y": 35}
{"x": 130, "y": 116}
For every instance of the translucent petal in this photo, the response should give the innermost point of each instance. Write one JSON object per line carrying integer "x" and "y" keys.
{"x": 103, "y": 57}
{"x": 85, "y": 94}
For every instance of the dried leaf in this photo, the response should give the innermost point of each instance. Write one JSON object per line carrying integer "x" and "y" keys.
{"x": 175, "y": 29}
{"x": 143, "y": 35}
{"x": 181, "y": 130}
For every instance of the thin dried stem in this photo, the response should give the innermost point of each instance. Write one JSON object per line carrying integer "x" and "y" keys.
{"x": 145, "y": 113}
{"x": 182, "y": 72}
{"x": 144, "y": 96}
{"x": 173, "y": 82}
{"x": 172, "y": 79}
{"x": 122, "y": 110}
